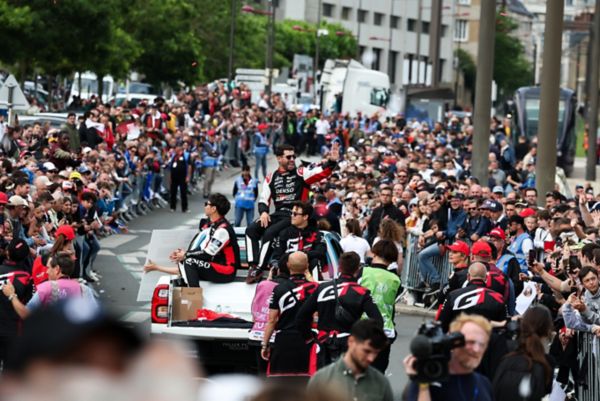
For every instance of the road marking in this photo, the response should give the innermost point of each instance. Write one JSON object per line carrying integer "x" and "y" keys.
{"x": 106, "y": 252}
{"x": 131, "y": 260}
{"x": 137, "y": 255}
{"x": 133, "y": 268}
{"x": 115, "y": 241}
{"x": 140, "y": 231}
{"x": 135, "y": 317}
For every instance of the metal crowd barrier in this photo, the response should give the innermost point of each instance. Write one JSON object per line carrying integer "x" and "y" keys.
{"x": 589, "y": 386}
{"x": 410, "y": 272}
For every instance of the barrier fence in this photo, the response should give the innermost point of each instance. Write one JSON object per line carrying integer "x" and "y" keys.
{"x": 589, "y": 383}
{"x": 410, "y": 272}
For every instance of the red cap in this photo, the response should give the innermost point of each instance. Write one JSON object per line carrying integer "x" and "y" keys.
{"x": 3, "y": 198}
{"x": 481, "y": 248}
{"x": 67, "y": 231}
{"x": 527, "y": 212}
{"x": 498, "y": 233}
{"x": 459, "y": 246}
{"x": 262, "y": 127}
{"x": 211, "y": 132}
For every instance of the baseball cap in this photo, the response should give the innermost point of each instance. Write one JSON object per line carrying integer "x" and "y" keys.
{"x": 16, "y": 200}
{"x": 498, "y": 233}
{"x": 3, "y": 198}
{"x": 67, "y": 231}
{"x": 261, "y": 127}
{"x": 211, "y": 132}
{"x": 498, "y": 190}
{"x": 67, "y": 185}
{"x": 75, "y": 176}
{"x": 18, "y": 250}
{"x": 527, "y": 212}
{"x": 49, "y": 166}
{"x": 492, "y": 205}
{"x": 481, "y": 248}
{"x": 459, "y": 246}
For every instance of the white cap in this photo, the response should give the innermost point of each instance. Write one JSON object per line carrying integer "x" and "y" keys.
{"x": 49, "y": 166}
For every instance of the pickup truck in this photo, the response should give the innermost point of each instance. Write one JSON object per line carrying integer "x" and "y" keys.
{"x": 222, "y": 347}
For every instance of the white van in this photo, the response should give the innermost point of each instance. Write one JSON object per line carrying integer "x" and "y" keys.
{"x": 89, "y": 87}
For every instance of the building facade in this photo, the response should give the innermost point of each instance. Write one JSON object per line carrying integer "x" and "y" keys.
{"x": 393, "y": 35}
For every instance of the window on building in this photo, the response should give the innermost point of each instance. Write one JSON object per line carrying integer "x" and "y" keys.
{"x": 362, "y": 16}
{"x": 461, "y": 30}
{"x": 464, "y": 2}
{"x": 377, "y": 59}
{"x": 444, "y": 31}
{"x": 425, "y": 27}
{"x": 392, "y": 64}
{"x": 327, "y": 10}
{"x": 346, "y": 13}
{"x": 378, "y": 19}
{"x": 394, "y": 22}
{"x": 411, "y": 25}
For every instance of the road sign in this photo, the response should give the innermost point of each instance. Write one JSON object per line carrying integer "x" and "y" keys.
{"x": 16, "y": 100}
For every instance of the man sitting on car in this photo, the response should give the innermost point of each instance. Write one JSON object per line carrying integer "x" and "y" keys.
{"x": 303, "y": 235}
{"x": 217, "y": 259}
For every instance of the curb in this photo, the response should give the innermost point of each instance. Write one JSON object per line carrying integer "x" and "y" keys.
{"x": 415, "y": 311}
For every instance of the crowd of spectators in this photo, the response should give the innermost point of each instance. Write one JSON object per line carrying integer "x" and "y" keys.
{"x": 398, "y": 180}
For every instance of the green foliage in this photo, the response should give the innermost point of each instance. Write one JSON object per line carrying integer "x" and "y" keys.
{"x": 165, "y": 40}
{"x": 169, "y": 49}
{"x": 511, "y": 69}
{"x": 466, "y": 65}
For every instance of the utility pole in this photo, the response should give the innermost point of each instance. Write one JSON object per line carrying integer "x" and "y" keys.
{"x": 358, "y": 13}
{"x": 483, "y": 90}
{"x": 270, "y": 45}
{"x": 435, "y": 30}
{"x": 317, "y": 45}
{"x": 419, "y": 30}
{"x": 549, "y": 97}
{"x": 590, "y": 168}
{"x": 231, "y": 45}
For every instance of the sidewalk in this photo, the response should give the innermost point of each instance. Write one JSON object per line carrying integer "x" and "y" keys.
{"x": 578, "y": 176}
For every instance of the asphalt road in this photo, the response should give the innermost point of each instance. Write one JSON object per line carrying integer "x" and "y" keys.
{"x": 122, "y": 256}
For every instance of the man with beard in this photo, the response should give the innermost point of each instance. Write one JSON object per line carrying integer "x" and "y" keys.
{"x": 283, "y": 187}
{"x": 353, "y": 372}
{"x": 386, "y": 210}
{"x": 521, "y": 241}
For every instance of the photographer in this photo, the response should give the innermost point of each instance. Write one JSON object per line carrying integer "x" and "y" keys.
{"x": 463, "y": 361}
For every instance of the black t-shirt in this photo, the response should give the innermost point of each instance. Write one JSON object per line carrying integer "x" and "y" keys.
{"x": 18, "y": 275}
{"x": 288, "y": 297}
{"x": 470, "y": 387}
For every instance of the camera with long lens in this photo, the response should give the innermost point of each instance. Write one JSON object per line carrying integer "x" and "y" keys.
{"x": 431, "y": 348}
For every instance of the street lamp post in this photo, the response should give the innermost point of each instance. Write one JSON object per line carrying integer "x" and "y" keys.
{"x": 231, "y": 45}
{"x": 270, "y": 39}
{"x": 316, "y": 61}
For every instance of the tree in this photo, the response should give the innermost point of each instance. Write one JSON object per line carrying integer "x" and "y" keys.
{"x": 511, "y": 68}
{"x": 466, "y": 65}
{"x": 169, "y": 49}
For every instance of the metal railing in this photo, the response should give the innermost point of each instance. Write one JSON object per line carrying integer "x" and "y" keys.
{"x": 410, "y": 272}
{"x": 589, "y": 367}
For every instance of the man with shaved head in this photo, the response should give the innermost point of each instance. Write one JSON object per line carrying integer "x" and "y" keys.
{"x": 475, "y": 299}
{"x": 289, "y": 355}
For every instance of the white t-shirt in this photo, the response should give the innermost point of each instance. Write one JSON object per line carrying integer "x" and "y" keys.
{"x": 322, "y": 127}
{"x": 352, "y": 243}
